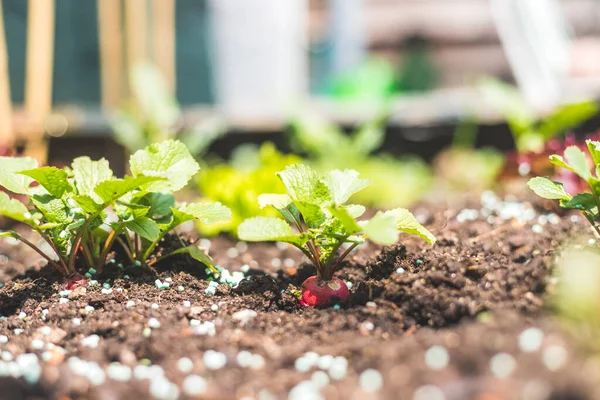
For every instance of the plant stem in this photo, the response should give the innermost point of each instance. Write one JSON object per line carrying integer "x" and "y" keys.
{"x": 107, "y": 246}
{"x": 41, "y": 253}
{"x": 591, "y": 221}
{"x": 126, "y": 249}
{"x": 87, "y": 254}
{"x": 73, "y": 255}
{"x": 54, "y": 248}
{"x": 342, "y": 257}
{"x": 136, "y": 244}
{"x": 130, "y": 246}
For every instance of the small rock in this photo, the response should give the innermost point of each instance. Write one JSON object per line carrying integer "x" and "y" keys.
{"x": 243, "y": 316}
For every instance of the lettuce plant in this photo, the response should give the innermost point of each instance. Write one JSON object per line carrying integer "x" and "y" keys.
{"x": 575, "y": 161}
{"x": 396, "y": 181}
{"x": 82, "y": 211}
{"x": 529, "y": 132}
{"x": 317, "y": 220}
{"x": 237, "y": 184}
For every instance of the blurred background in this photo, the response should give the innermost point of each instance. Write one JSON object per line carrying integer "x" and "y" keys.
{"x": 427, "y": 82}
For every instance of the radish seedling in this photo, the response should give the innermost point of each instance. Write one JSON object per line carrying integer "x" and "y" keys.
{"x": 318, "y": 221}
{"x": 83, "y": 210}
{"x": 575, "y": 161}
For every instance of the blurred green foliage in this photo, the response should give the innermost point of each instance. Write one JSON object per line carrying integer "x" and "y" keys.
{"x": 530, "y": 133}
{"x": 462, "y": 167}
{"x": 396, "y": 182}
{"x": 153, "y": 115}
{"x": 373, "y": 80}
{"x": 577, "y": 294}
{"x": 237, "y": 184}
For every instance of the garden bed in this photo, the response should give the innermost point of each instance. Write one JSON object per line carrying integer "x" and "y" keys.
{"x": 452, "y": 321}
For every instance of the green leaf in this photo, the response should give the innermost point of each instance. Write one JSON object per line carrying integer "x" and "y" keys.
{"x": 595, "y": 185}
{"x": 594, "y": 149}
{"x": 344, "y": 184}
{"x": 159, "y": 204}
{"x": 207, "y": 213}
{"x": 370, "y": 136}
{"x": 279, "y": 201}
{"x": 312, "y": 214}
{"x": 347, "y": 220}
{"x": 144, "y": 227}
{"x": 578, "y": 161}
{"x": 355, "y": 210}
{"x": 88, "y": 204}
{"x": 406, "y": 222}
{"x": 303, "y": 184}
{"x": 11, "y": 234}
{"x": 54, "y": 210}
{"x": 153, "y": 95}
{"x": 13, "y": 208}
{"x": 54, "y": 180}
{"x": 88, "y": 174}
{"x": 197, "y": 254}
{"x": 177, "y": 219}
{"x": 548, "y": 189}
{"x": 567, "y": 117}
{"x": 582, "y": 201}
{"x": 16, "y": 183}
{"x": 111, "y": 190}
{"x": 258, "y": 229}
{"x": 560, "y": 162}
{"x": 169, "y": 159}
{"x": 381, "y": 229}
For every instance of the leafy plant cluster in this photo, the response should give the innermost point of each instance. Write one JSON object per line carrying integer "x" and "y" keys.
{"x": 153, "y": 115}
{"x": 396, "y": 182}
{"x": 575, "y": 161}
{"x": 238, "y": 183}
{"x": 317, "y": 220}
{"x": 82, "y": 211}
{"x": 530, "y": 133}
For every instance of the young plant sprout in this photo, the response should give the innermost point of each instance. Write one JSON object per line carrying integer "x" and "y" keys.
{"x": 317, "y": 220}
{"x": 576, "y": 161}
{"x": 80, "y": 212}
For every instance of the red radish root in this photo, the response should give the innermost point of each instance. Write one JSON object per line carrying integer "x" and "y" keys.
{"x": 317, "y": 292}
{"x": 75, "y": 280}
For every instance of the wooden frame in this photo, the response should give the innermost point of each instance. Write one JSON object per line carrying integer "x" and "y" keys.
{"x": 110, "y": 31}
{"x": 7, "y": 134}
{"x": 163, "y": 39}
{"x": 38, "y": 74}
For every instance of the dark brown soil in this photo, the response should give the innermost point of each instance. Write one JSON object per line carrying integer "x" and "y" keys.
{"x": 471, "y": 295}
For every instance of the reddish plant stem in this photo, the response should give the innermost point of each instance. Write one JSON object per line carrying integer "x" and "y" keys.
{"x": 342, "y": 257}
{"x": 41, "y": 253}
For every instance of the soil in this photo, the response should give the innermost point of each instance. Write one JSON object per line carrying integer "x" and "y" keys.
{"x": 433, "y": 323}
